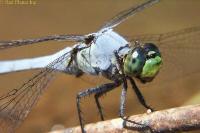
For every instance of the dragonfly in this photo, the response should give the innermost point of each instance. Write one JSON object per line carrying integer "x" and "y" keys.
{"x": 105, "y": 53}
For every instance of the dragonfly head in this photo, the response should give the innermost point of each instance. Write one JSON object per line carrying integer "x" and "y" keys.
{"x": 143, "y": 62}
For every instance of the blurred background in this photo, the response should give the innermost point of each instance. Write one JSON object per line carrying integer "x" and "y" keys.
{"x": 57, "y": 107}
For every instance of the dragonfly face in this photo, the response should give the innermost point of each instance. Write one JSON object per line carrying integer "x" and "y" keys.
{"x": 143, "y": 62}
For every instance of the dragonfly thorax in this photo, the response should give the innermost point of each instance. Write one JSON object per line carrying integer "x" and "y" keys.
{"x": 143, "y": 62}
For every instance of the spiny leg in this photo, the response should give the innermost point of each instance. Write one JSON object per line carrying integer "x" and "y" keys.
{"x": 99, "y": 105}
{"x": 98, "y": 95}
{"x": 123, "y": 100}
{"x": 98, "y": 90}
{"x": 139, "y": 94}
{"x": 122, "y": 108}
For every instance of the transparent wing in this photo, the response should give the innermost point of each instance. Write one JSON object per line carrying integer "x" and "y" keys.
{"x": 180, "y": 52}
{"x": 16, "y": 43}
{"x": 122, "y": 16}
{"x": 17, "y": 103}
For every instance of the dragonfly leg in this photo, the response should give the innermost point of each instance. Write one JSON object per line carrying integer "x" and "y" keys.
{"x": 98, "y": 95}
{"x": 98, "y": 90}
{"x": 122, "y": 110}
{"x": 99, "y": 105}
{"x": 139, "y": 94}
{"x": 123, "y": 100}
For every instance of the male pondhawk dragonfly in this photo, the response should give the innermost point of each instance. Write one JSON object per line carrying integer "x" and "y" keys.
{"x": 102, "y": 53}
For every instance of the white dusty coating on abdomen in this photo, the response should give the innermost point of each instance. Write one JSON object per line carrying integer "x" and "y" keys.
{"x": 33, "y": 63}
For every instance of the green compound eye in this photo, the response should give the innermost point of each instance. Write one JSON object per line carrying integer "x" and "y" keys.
{"x": 134, "y": 62}
{"x": 143, "y": 62}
